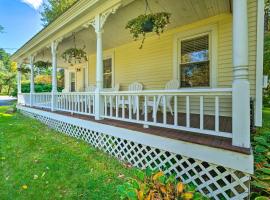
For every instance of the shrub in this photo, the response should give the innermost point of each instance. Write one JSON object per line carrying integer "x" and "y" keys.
{"x": 261, "y": 179}
{"x": 155, "y": 185}
{"x": 38, "y": 88}
{"x": 266, "y": 97}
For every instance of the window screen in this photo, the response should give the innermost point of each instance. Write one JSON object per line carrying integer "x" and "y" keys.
{"x": 194, "y": 67}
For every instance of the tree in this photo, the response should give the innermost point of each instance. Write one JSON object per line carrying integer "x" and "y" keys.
{"x": 53, "y": 9}
{"x": 7, "y": 72}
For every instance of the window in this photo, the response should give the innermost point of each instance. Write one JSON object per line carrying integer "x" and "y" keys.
{"x": 107, "y": 73}
{"x": 194, "y": 62}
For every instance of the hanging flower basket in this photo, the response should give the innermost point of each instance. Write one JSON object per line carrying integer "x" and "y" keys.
{"x": 74, "y": 55}
{"x": 148, "y": 26}
{"x": 154, "y": 22}
{"x": 42, "y": 64}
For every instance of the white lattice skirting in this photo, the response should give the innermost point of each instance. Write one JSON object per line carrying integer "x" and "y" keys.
{"x": 215, "y": 181}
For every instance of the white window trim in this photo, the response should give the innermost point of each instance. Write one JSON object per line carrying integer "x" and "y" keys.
{"x": 107, "y": 55}
{"x": 211, "y": 30}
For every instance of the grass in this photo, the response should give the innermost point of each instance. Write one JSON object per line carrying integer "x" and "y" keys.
{"x": 39, "y": 163}
{"x": 266, "y": 120}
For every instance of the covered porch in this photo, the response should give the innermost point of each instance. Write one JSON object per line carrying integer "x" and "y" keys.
{"x": 210, "y": 105}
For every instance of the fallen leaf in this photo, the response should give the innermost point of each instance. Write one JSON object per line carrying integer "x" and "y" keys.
{"x": 24, "y": 187}
{"x": 121, "y": 176}
{"x": 43, "y": 174}
{"x": 35, "y": 177}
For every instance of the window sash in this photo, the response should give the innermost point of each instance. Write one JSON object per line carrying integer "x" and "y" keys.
{"x": 195, "y": 63}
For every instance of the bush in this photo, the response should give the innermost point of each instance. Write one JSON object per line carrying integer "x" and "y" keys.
{"x": 154, "y": 185}
{"x": 261, "y": 180}
{"x": 38, "y": 88}
{"x": 266, "y": 97}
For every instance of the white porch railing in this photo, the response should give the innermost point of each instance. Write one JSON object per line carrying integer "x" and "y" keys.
{"x": 24, "y": 99}
{"x": 76, "y": 102}
{"x": 175, "y": 109}
{"x": 131, "y": 107}
{"x": 42, "y": 100}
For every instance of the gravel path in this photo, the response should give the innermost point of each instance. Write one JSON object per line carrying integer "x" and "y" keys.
{"x": 6, "y": 100}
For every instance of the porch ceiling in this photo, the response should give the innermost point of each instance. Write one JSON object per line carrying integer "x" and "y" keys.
{"x": 183, "y": 12}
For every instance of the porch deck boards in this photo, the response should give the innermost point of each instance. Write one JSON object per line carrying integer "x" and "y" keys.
{"x": 186, "y": 136}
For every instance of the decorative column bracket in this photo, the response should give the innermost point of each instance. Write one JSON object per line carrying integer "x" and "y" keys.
{"x": 99, "y": 20}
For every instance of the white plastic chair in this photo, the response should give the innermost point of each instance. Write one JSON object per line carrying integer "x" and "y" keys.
{"x": 90, "y": 88}
{"x": 171, "y": 85}
{"x": 135, "y": 86}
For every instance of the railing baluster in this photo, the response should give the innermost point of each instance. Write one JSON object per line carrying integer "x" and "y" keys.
{"x": 201, "y": 113}
{"x": 145, "y": 109}
{"x": 129, "y": 107}
{"x": 123, "y": 107}
{"x": 137, "y": 108}
{"x": 175, "y": 111}
{"x": 105, "y": 105}
{"x": 217, "y": 114}
{"x": 187, "y": 112}
{"x": 111, "y": 106}
{"x": 64, "y": 100}
{"x": 164, "y": 110}
{"x": 155, "y": 109}
{"x": 94, "y": 104}
{"x": 89, "y": 104}
{"x": 78, "y": 103}
{"x": 116, "y": 106}
{"x": 72, "y": 104}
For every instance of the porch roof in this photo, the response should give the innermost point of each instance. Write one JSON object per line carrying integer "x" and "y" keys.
{"x": 75, "y": 19}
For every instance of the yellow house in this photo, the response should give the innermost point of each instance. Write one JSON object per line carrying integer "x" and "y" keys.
{"x": 186, "y": 99}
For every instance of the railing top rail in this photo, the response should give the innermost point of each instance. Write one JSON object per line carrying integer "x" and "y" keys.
{"x": 42, "y": 93}
{"x": 180, "y": 92}
{"x": 76, "y": 93}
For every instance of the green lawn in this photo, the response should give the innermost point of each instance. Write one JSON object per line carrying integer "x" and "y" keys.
{"x": 39, "y": 163}
{"x": 266, "y": 119}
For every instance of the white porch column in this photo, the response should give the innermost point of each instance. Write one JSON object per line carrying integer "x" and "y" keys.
{"x": 98, "y": 23}
{"x": 241, "y": 90}
{"x": 32, "y": 81}
{"x": 99, "y": 101}
{"x": 19, "y": 78}
{"x": 54, "y": 45}
{"x": 19, "y": 84}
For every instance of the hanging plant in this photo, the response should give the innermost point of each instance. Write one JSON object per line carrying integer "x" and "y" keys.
{"x": 153, "y": 22}
{"x": 74, "y": 55}
{"x": 42, "y": 64}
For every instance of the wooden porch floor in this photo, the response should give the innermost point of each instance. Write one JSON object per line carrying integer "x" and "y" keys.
{"x": 186, "y": 136}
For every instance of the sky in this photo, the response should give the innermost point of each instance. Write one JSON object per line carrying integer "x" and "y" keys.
{"x": 21, "y": 21}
